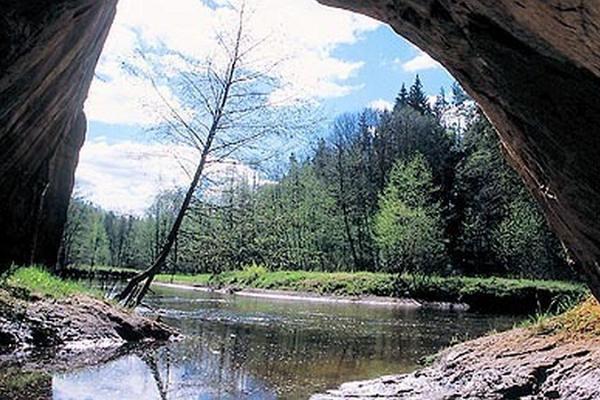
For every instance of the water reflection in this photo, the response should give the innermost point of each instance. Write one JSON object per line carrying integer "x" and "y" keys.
{"x": 264, "y": 349}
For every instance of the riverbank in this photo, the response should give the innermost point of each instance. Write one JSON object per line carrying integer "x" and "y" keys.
{"x": 336, "y": 339}
{"x": 38, "y": 310}
{"x": 497, "y": 295}
{"x": 555, "y": 358}
{"x": 100, "y": 272}
{"x": 296, "y": 296}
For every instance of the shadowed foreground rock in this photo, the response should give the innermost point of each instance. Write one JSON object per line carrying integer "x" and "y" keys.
{"x": 511, "y": 365}
{"x": 48, "y": 53}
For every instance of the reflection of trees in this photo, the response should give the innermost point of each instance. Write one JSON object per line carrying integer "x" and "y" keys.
{"x": 151, "y": 360}
{"x": 205, "y": 363}
{"x": 231, "y": 360}
{"x": 270, "y": 352}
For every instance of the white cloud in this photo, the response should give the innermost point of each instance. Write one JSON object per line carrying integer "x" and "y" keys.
{"x": 302, "y": 33}
{"x": 381, "y": 105}
{"x": 125, "y": 176}
{"x": 422, "y": 61}
{"x": 135, "y": 378}
{"x": 119, "y": 99}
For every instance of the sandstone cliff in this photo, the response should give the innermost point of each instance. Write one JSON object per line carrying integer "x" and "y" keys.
{"x": 49, "y": 51}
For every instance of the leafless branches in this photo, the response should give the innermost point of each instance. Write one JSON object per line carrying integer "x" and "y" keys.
{"x": 222, "y": 107}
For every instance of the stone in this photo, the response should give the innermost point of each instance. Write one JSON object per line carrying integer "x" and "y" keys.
{"x": 73, "y": 322}
{"x": 517, "y": 364}
{"x": 49, "y": 53}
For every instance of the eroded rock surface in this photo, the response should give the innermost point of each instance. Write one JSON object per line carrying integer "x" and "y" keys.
{"x": 77, "y": 322}
{"x": 511, "y": 365}
{"x": 534, "y": 67}
{"x": 48, "y": 53}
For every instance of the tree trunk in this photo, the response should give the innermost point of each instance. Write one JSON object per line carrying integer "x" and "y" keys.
{"x": 138, "y": 286}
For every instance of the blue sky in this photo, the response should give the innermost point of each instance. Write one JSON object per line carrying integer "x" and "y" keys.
{"x": 383, "y": 53}
{"x": 343, "y": 61}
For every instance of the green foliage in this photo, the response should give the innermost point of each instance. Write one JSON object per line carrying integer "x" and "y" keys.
{"x": 337, "y": 283}
{"x": 413, "y": 189}
{"x": 408, "y": 224}
{"x": 581, "y": 321}
{"x": 502, "y": 230}
{"x": 17, "y": 384}
{"x": 402, "y": 98}
{"x": 522, "y": 240}
{"x": 497, "y": 294}
{"x": 95, "y": 237}
{"x": 37, "y": 280}
{"x": 417, "y": 98}
{"x": 85, "y": 237}
{"x": 458, "y": 94}
{"x": 541, "y": 320}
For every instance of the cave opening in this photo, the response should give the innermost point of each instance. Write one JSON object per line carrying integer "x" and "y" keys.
{"x": 530, "y": 83}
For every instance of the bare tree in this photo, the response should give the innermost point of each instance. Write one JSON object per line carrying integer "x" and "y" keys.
{"x": 225, "y": 107}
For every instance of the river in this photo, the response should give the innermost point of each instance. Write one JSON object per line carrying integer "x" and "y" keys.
{"x": 251, "y": 348}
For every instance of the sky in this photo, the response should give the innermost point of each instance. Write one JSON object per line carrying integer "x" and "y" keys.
{"x": 341, "y": 61}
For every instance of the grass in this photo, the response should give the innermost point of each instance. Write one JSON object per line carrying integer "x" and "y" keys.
{"x": 19, "y": 385}
{"x": 101, "y": 268}
{"x": 486, "y": 294}
{"x": 38, "y": 281}
{"x": 198, "y": 280}
{"x": 579, "y": 321}
{"x": 349, "y": 284}
{"x": 98, "y": 271}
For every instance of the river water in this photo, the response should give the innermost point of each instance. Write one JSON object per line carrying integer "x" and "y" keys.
{"x": 250, "y": 348}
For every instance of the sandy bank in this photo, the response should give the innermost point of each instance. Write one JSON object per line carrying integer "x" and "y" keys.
{"x": 284, "y": 295}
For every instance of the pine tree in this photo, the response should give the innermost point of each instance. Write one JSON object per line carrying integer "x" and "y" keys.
{"x": 402, "y": 98}
{"x": 441, "y": 104}
{"x": 502, "y": 230}
{"x": 417, "y": 98}
{"x": 458, "y": 94}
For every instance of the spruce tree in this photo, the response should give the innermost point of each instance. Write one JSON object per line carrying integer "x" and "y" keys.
{"x": 458, "y": 94}
{"x": 402, "y": 98}
{"x": 440, "y": 104}
{"x": 417, "y": 98}
{"x": 408, "y": 224}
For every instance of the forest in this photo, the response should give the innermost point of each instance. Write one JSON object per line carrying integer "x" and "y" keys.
{"x": 421, "y": 188}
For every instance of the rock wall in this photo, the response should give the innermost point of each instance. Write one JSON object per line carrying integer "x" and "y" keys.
{"x": 49, "y": 50}
{"x": 534, "y": 68}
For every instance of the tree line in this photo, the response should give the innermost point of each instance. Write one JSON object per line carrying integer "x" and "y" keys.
{"x": 420, "y": 188}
